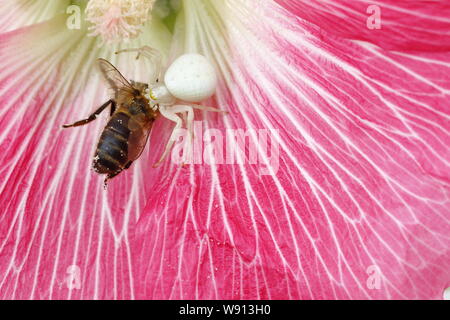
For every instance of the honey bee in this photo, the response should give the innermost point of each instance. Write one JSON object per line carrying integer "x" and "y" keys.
{"x": 126, "y": 133}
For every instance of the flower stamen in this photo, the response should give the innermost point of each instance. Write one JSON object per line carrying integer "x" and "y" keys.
{"x": 116, "y": 20}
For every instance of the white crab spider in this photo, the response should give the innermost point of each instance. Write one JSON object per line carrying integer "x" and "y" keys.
{"x": 190, "y": 78}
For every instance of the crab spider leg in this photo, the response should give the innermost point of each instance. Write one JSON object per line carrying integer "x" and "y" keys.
{"x": 169, "y": 114}
{"x": 150, "y": 53}
{"x": 146, "y": 51}
{"x": 190, "y": 115}
{"x": 205, "y": 108}
{"x": 189, "y": 125}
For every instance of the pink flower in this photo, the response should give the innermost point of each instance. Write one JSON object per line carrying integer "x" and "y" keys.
{"x": 352, "y": 204}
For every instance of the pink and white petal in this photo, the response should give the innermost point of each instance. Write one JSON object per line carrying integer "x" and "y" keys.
{"x": 354, "y": 188}
{"x": 16, "y": 14}
{"x": 63, "y": 236}
{"x": 404, "y": 25}
{"x": 362, "y": 188}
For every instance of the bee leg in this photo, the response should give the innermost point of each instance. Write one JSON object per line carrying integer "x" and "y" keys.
{"x": 113, "y": 107}
{"x": 128, "y": 165}
{"x": 93, "y": 116}
{"x": 109, "y": 177}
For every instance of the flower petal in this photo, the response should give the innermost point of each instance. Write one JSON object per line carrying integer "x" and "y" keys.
{"x": 360, "y": 194}
{"x": 359, "y": 205}
{"x": 18, "y": 14}
{"x": 403, "y": 25}
{"x": 62, "y": 235}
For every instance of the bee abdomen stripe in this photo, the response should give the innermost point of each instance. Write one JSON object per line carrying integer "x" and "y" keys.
{"x": 113, "y": 144}
{"x": 120, "y": 132}
{"x": 103, "y": 163}
{"x": 119, "y": 124}
{"x": 109, "y": 134}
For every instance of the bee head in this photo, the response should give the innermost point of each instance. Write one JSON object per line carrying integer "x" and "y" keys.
{"x": 140, "y": 86}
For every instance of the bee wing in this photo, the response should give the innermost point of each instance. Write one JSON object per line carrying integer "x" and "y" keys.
{"x": 138, "y": 138}
{"x": 115, "y": 79}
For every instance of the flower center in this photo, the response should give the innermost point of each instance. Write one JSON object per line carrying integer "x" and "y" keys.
{"x": 116, "y": 20}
